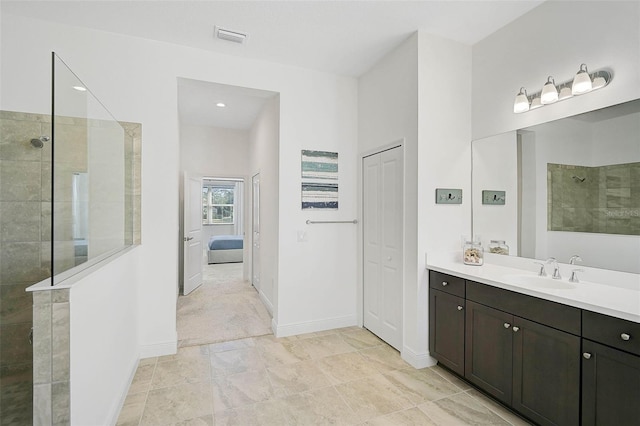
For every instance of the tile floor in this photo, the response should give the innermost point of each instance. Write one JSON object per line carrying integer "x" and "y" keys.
{"x": 347, "y": 376}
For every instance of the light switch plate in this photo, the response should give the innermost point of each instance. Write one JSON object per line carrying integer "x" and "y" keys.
{"x": 448, "y": 196}
{"x": 495, "y": 198}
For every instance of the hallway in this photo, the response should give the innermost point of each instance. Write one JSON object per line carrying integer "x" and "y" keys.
{"x": 224, "y": 307}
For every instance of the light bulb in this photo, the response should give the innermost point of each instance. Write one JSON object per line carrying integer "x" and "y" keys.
{"x": 521, "y": 103}
{"x": 549, "y": 92}
{"x": 582, "y": 81}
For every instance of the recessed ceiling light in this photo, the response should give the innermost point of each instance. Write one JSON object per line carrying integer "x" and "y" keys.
{"x": 221, "y": 104}
{"x": 80, "y": 88}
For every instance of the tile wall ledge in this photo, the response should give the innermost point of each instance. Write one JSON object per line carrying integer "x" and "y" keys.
{"x": 70, "y": 278}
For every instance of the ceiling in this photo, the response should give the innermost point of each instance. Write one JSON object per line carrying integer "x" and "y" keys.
{"x": 340, "y": 37}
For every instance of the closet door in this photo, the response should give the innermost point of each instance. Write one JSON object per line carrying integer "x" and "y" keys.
{"x": 382, "y": 243}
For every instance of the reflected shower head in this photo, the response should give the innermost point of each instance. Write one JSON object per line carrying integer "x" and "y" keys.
{"x": 39, "y": 142}
{"x": 578, "y": 179}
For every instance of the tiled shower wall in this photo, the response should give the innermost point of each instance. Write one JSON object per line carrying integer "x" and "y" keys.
{"x": 25, "y": 254}
{"x": 25, "y": 234}
{"x": 604, "y": 199}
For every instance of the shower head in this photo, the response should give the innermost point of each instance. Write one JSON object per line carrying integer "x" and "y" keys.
{"x": 578, "y": 179}
{"x": 39, "y": 142}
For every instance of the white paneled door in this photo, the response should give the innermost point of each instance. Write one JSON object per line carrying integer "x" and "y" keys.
{"x": 192, "y": 233}
{"x": 382, "y": 217}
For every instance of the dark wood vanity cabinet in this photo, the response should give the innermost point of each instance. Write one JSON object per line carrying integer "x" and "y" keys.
{"x": 522, "y": 350}
{"x": 610, "y": 371}
{"x": 446, "y": 312}
{"x": 531, "y": 367}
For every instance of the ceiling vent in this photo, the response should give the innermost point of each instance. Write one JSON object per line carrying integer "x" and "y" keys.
{"x": 228, "y": 35}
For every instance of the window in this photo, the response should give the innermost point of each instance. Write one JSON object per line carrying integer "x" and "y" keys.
{"x": 218, "y": 202}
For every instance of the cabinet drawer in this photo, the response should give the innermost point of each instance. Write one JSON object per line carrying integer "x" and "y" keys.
{"x": 552, "y": 314}
{"x": 616, "y": 332}
{"x": 447, "y": 283}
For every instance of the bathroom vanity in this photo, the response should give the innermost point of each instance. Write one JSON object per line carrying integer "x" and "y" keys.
{"x": 558, "y": 353}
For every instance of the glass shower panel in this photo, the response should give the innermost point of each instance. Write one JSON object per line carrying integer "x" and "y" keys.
{"x": 91, "y": 189}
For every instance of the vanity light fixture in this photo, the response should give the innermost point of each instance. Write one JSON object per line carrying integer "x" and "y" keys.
{"x": 522, "y": 101}
{"x": 583, "y": 82}
{"x": 80, "y": 88}
{"x": 549, "y": 92}
{"x": 221, "y": 105}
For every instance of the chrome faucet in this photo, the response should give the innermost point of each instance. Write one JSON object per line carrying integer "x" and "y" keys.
{"x": 556, "y": 269}
{"x": 541, "y": 272}
{"x": 575, "y": 258}
{"x": 574, "y": 275}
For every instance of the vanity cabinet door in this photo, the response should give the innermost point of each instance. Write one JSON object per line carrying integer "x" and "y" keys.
{"x": 488, "y": 350}
{"x": 546, "y": 373}
{"x": 610, "y": 386}
{"x": 446, "y": 330}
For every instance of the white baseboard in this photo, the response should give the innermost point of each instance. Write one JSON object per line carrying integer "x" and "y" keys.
{"x": 159, "y": 349}
{"x": 267, "y": 303}
{"x": 417, "y": 360}
{"x": 114, "y": 413}
{"x": 313, "y": 326}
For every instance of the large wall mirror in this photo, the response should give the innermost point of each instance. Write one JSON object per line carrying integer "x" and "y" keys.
{"x": 571, "y": 187}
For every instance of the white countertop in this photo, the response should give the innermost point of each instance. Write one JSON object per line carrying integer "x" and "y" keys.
{"x": 621, "y": 301}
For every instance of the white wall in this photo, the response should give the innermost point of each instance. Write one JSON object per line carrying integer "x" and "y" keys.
{"x": 398, "y": 100}
{"x": 104, "y": 340}
{"x": 264, "y": 145}
{"x": 495, "y": 168}
{"x": 554, "y": 39}
{"x": 388, "y": 113}
{"x": 137, "y": 79}
{"x": 443, "y": 161}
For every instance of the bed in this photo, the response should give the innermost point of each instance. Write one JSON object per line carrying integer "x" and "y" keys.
{"x": 225, "y": 249}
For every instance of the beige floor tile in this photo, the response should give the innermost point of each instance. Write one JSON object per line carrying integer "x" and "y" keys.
{"x": 503, "y": 412}
{"x": 451, "y": 377}
{"x": 142, "y": 378}
{"x": 421, "y": 385}
{"x": 372, "y": 397}
{"x": 262, "y": 413}
{"x": 178, "y": 403}
{"x": 318, "y": 407}
{"x": 279, "y": 353}
{"x": 326, "y": 345}
{"x": 132, "y": 409}
{"x": 298, "y": 377}
{"x": 461, "y": 409}
{"x": 189, "y": 365}
{"x": 385, "y": 358}
{"x": 360, "y": 338}
{"x": 347, "y": 367}
{"x": 410, "y": 417}
{"x": 248, "y": 342}
{"x": 199, "y": 421}
{"x": 241, "y": 389}
{"x": 236, "y": 361}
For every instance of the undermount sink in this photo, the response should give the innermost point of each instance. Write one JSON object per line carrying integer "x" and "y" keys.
{"x": 540, "y": 282}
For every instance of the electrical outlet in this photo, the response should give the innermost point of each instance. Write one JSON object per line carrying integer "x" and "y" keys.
{"x": 496, "y": 198}
{"x": 448, "y": 196}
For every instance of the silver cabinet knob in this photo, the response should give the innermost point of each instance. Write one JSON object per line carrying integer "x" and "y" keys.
{"x": 507, "y": 325}
{"x": 460, "y": 307}
{"x": 625, "y": 336}
{"x": 444, "y": 283}
{"x": 586, "y": 355}
{"x": 515, "y": 329}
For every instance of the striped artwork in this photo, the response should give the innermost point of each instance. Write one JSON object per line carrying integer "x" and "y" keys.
{"x": 319, "y": 195}
{"x": 319, "y": 165}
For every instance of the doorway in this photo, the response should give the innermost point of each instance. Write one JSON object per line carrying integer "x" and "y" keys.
{"x": 255, "y": 221}
{"x": 382, "y": 227}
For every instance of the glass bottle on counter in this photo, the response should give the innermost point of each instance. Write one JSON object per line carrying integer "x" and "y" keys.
{"x": 472, "y": 253}
{"x": 498, "y": 247}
